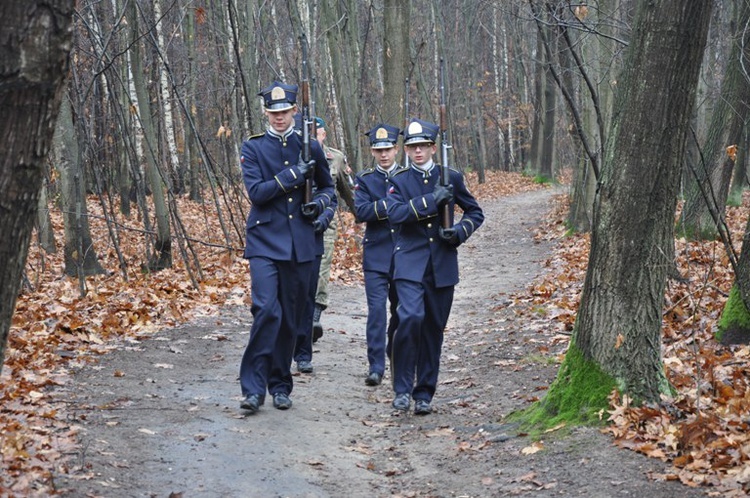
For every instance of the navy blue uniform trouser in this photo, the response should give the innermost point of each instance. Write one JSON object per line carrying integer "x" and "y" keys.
{"x": 423, "y": 311}
{"x": 279, "y": 291}
{"x": 379, "y": 289}
{"x": 303, "y": 344}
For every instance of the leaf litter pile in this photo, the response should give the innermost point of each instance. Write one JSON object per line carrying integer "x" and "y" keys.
{"x": 58, "y": 328}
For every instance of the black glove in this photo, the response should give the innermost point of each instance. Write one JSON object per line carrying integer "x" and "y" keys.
{"x": 311, "y": 210}
{"x": 306, "y": 168}
{"x": 450, "y": 235}
{"x": 318, "y": 226}
{"x": 443, "y": 194}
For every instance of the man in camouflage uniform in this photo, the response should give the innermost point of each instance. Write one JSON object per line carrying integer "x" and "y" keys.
{"x": 339, "y": 168}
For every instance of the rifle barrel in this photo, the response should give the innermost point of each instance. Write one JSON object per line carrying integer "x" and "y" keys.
{"x": 445, "y": 219}
{"x": 406, "y": 116}
{"x": 306, "y": 119}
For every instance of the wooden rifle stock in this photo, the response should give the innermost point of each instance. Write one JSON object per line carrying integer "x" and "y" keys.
{"x": 307, "y": 122}
{"x": 445, "y": 218}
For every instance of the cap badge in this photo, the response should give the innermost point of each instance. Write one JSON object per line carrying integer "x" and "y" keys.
{"x": 278, "y": 93}
{"x": 415, "y": 128}
{"x": 381, "y": 133}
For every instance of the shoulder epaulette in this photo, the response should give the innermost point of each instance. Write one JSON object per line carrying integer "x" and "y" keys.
{"x": 450, "y": 168}
{"x": 258, "y": 135}
{"x": 368, "y": 171}
{"x": 399, "y": 171}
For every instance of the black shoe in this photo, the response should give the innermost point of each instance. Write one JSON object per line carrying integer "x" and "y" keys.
{"x": 317, "y": 327}
{"x": 374, "y": 379}
{"x": 282, "y": 401}
{"x": 401, "y": 402}
{"x": 422, "y": 407}
{"x": 252, "y": 402}
{"x": 304, "y": 367}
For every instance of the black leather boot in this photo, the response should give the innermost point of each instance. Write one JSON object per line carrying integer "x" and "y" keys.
{"x": 317, "y": 327}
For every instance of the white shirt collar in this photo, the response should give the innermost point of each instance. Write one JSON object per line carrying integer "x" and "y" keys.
{"x": 424, "y": 169}
{"x": 388, "y": 171}
{"x": 282, "y": 136}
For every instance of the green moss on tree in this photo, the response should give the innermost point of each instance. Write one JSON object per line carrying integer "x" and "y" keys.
{"x": 692, "y": 233}
{"x": 578, "y": 396}
{"x": 734, "y": 325}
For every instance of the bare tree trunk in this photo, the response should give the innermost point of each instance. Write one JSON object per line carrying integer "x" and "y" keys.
{"x": 396, "y": 59}
{"x": 165, "y": 93}
{"x": 80, "y": 256}
{"x": 33, "y": 69}
{"x": 499, "y": 78}
{"x": 191, "y": 155}
{"x": 481, "y": 139}
{"x": 339, "y": 21}
{"x": 535, "y": 145}
{"x": 44, "y": 222}
{"x": 546, "y": 160}
{"x": 739, "y": 178}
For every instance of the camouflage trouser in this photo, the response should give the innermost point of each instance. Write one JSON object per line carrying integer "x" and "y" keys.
{"x": 329, "y": 239}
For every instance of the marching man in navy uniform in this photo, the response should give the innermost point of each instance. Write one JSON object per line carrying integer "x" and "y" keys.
{"x": 425, "y": 264}
{"x": 371, "y": 207}
{"x": 280, "y": 245}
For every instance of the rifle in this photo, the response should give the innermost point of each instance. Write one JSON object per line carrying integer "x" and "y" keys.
{"x": 307, "y": 121}
{"x": 314, "y": 131}
{"x": 444, "y": 146}
{"x": 406, "y": 117}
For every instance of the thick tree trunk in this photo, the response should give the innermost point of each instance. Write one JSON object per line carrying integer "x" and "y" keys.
{"x": 619, "y": 322}
{"x": 36, "y": 41}
{"x": 616, "y": 341}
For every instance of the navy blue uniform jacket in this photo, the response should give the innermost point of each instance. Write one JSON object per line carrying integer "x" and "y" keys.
{"x": 412, "y": 208}
{"x": 275, "y": 227}
{"x": 371, "y": 207}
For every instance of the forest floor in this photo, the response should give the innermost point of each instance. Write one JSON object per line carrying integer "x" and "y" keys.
{"x": 159, "y": 416}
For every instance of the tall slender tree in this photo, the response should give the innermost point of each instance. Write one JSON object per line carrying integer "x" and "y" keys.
{"x": 141, "y": 20}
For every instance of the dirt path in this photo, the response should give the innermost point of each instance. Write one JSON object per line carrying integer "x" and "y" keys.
{"x": 161, "y": 416}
